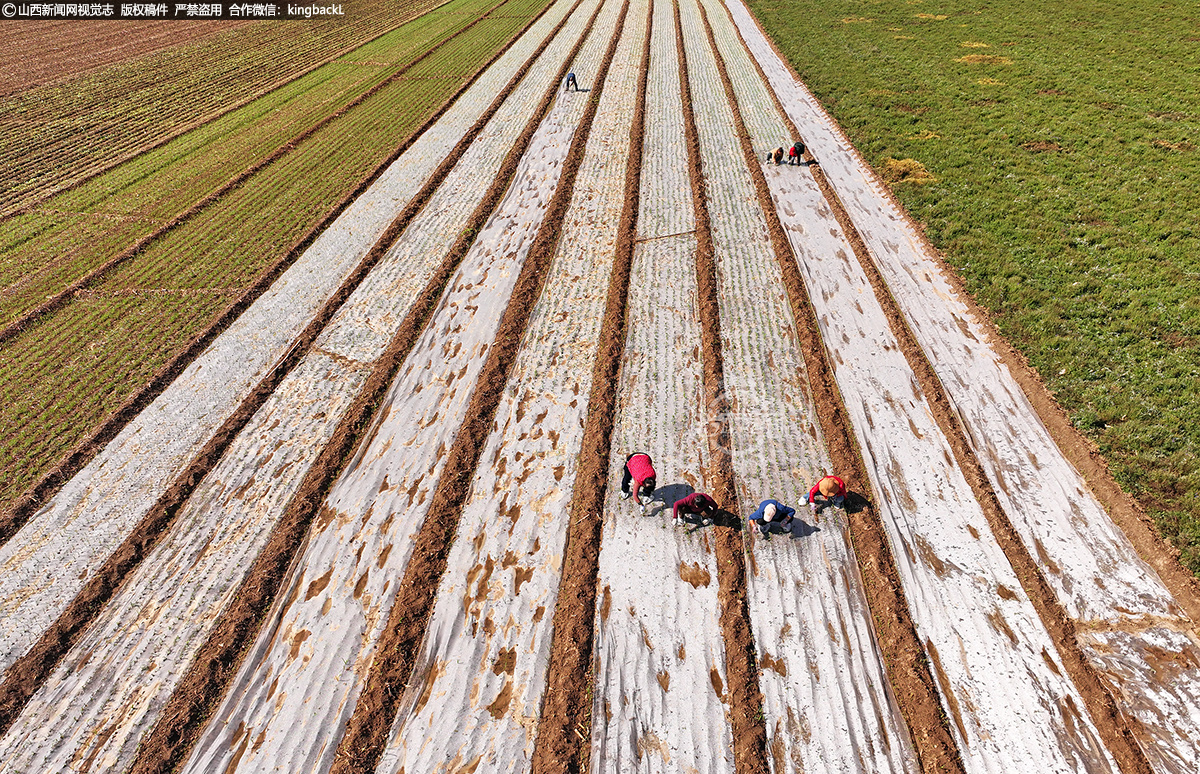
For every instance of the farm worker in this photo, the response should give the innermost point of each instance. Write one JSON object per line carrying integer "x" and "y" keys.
{"x": 795, "y": 153}
{"x": 777, "y": 155}
{"x": 696, "y": 502}
{"x": 772, "y": 512}
{"x": 640, "y": 470}
{"x": 571, "y": 82}
{"x": 832, "y": 488}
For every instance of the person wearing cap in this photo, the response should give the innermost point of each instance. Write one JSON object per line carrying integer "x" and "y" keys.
{"x": 772, "y": 512}
{"x": 832, "y": 488}
{"x": 639, "y": 470}
{"x": 696, "y": 502}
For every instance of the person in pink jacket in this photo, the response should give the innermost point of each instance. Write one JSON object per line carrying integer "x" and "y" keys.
{"x": 831, "y": 488}
{"x": 639, "y": 470}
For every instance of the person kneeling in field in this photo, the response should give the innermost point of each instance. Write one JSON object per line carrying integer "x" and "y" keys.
{"x": 639, "y": 470}
{"x": 831, "y": 488}
{"x": 772, "y": 512}
{"x": 697, "y": 503}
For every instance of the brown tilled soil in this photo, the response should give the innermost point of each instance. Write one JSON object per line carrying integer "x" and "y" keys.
{"x": 908, "y": 671}
{"x": 399, "y": 646}
{"x": 741, "y": 663}
{"x": 41, "y": 52}
{"x": 564, "y": 725}
{"x": 71, "y": 463}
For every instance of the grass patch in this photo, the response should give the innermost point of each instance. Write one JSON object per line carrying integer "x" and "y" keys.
{"x": 1065, "y": 194}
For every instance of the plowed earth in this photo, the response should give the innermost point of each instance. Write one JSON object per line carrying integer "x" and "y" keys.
{"x": 49, "y": 51}
{"x": 404, "y": 547}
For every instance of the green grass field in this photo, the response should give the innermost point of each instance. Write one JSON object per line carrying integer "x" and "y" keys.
{"x": 74, "y": 367}
{"x": 1050, "y": 151}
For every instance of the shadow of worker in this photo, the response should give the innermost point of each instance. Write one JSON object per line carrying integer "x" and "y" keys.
{"x": 666, "y": 497}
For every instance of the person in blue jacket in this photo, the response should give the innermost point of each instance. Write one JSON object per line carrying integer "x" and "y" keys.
{"x": 773, "y": 512}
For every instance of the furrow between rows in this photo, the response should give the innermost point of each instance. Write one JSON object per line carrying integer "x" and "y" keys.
{"x": 827, "y": 699}
{"x": 478, "y": 683}
{"x": 116, "y": 683}
{"x": 300, "y": 683}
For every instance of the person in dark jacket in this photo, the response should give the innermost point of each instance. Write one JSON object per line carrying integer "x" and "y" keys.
{"x": 572, "y": 84}
{"x": 696, "y": 503}
{"x": 772, "y": 512}
{"x": 795, "y": 152}
{"x": 639, "y": 470}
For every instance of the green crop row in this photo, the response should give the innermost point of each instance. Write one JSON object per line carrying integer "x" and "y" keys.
{"x": 73, "y": 368}
{"x": 55, "y": 134}
{"x": 1050, "y": 151}
{"x": 46, "y": 251}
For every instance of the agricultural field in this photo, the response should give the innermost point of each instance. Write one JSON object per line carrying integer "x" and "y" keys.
{"x": 341, "y": 385}
{"x": 118, "y": 276}
{"x": 64, "y": 132}
{"x": 47, "y": 54}
{"x": 1050, "y": 155}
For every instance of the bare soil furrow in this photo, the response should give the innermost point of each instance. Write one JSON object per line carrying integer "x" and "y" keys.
{"x": 493, "y": 626}
{"x": 304, "y": 674}
{"x": 565, "y": 725}
{"x": 106, "y": 668}
{"x": 827, "y": 699}
{"x": 98, "y": 508}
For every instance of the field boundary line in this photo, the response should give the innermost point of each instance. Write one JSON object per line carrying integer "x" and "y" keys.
{"x": 218, "y": 660}
{"x": 74, "y": 460}
{"x": 564, "y": 727}
{"x": 399, "y": 646}
{"x": 907, "y": 667}
{"x": 31, "y": 670}
{"x": 59, "y": 299}
{"x": 748, "y": 724}
{"x": 22, "y": 208}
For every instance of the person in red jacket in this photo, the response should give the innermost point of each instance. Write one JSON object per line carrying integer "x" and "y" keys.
{"x": 696, "y": 502}
{"x": 639, "y": 470}
{"x": 831, "y": 488}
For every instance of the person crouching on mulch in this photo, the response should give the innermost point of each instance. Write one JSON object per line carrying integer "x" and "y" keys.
{"x": 639, "y": 470}
{"x": 831, "y": 489}
{"x": 770, "y": 513}
{"x": 697, "y": 503}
